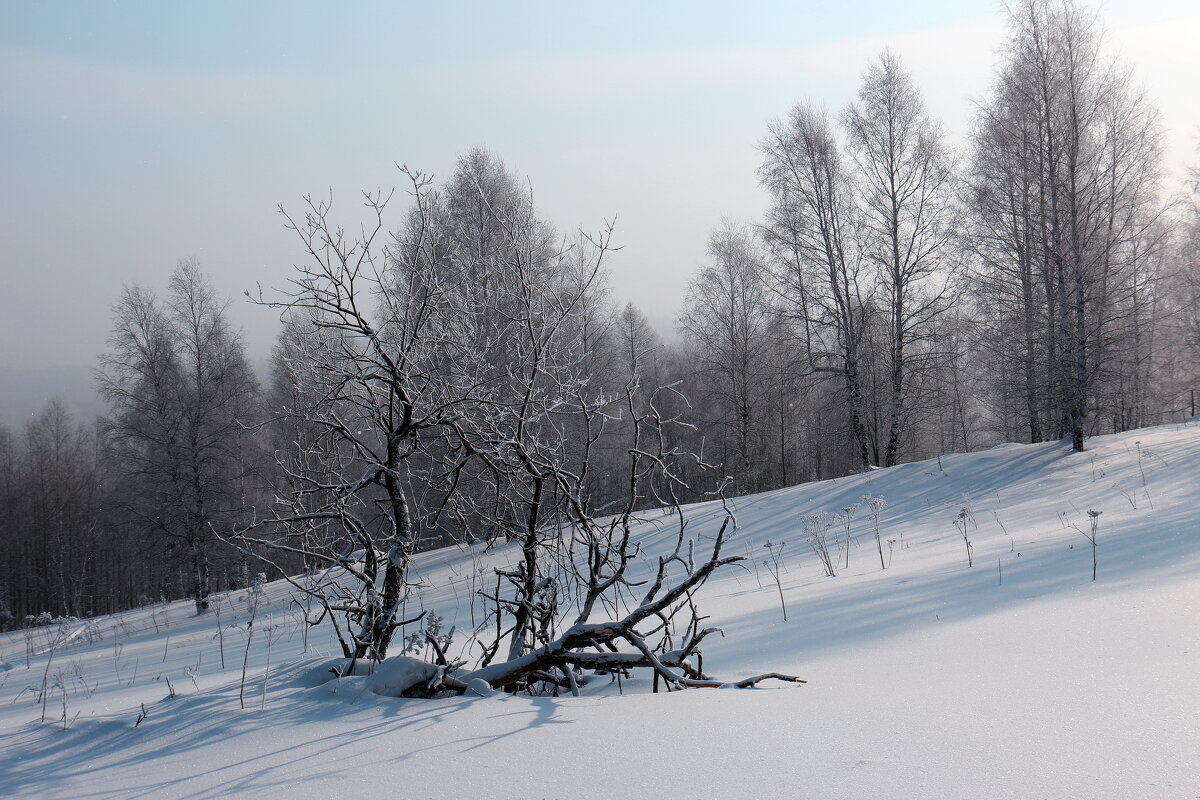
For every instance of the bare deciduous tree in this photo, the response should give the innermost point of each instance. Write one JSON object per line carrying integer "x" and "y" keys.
{"x": 726, "y": 319}
{"x": 372, "y": 326}
{"x": 907, "y": 224}
{"x": 811, "y": 229}
{"x": 181, "y": 395}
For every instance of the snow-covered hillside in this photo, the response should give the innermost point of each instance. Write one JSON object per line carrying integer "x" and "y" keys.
{"x": 1017, "y": 677}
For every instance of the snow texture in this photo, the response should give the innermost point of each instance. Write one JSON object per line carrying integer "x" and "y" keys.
{"x": 1017, "y": 678}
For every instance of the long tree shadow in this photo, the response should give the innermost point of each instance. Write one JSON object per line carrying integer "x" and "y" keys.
{"x": 185, "y": 726}
{"x": 873, "y": 607}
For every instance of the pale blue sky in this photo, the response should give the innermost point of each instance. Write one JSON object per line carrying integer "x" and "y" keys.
{"x": 312, "y": 35}
{"x": 135, "y": 134}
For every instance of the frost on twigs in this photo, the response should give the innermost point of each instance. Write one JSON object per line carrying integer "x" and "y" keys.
{"x": 640, "y": 639}
{"x": 433, "y": 387}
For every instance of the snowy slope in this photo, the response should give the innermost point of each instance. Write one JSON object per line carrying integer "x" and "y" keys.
{"x": 927, "y": 679}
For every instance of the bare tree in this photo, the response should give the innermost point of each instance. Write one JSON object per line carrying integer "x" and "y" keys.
{"x": 181, "y": 396}
{"x": 904, "y": 171}
{"x": 726, "y": 319}
{"x": 375, "y": 329}
{"x": 444, "y": 358}
{"x": 811, "y": 229}
{"x": 636, "y": 336}
{"x": 1176, "y": 367}
{"x": 521, "y": 431}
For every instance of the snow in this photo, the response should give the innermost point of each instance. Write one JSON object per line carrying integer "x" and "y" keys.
{"x": 399, "y": 674}
{"x": 928, "y": 679}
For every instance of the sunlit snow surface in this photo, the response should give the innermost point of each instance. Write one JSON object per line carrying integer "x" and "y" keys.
{"x": 926, "y": 680}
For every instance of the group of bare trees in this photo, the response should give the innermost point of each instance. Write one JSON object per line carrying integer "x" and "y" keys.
{"x": 911, "y": 302}
{"x": 427, "y": 376}
{"x": 182, "y": 399}
{"x": 1071, "y": 227}
{"x": 826, "y": 320}
{"x": 465, "y": 378}
{"x": 454, "y": 369}
{"x": 99, "y": 517}
{"x": 62, "y": 551}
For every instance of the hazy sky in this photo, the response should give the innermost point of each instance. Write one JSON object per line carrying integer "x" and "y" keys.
{"x": 135, "y": 134}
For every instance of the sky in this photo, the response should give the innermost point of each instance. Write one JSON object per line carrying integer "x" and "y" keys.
{"x": 135, "y": 134}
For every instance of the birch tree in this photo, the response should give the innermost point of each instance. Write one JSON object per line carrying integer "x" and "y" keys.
{"x": 812, "y": 227}
{"x": 907, "y": 222}
{"x": 1066, "y": 194}
{"x": 182, "y": 397}
{"x": 726, "y": 318}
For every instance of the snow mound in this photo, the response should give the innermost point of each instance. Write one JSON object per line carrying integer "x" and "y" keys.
{"x": 399, "y": 675}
